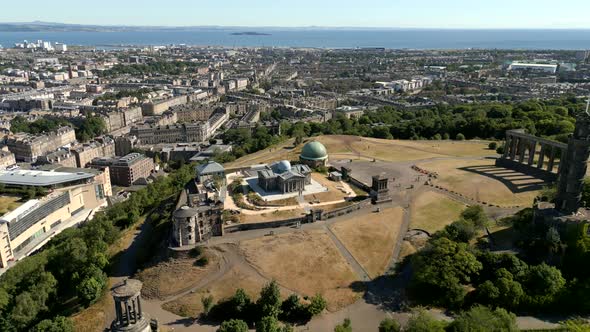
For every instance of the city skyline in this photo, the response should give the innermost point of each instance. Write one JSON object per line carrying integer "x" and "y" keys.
{"x": 429, "y": 14}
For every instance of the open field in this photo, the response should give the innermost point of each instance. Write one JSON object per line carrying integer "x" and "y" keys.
{"x": 307, "y": 262}
{"x": 371, "y": 239}
{"x": 190, "y": 304}
{"x": 8, "y": 203}
{"x": 270, "y": 216}
{"x": 356, "y": 147}
{"x": 173, "y": 276}
{"x": 481, "y": 180}
{"x": 432, "y": 211}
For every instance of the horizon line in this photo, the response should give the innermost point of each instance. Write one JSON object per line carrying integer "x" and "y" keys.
{"x": 288, "y": 27}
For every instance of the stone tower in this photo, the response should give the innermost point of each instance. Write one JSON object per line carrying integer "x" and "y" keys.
{"x": 130, "y": 318}
{"x": 573, "y": 167}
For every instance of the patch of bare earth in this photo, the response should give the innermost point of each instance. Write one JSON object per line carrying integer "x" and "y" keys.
{"x": 174, "y": 276}
{"x": 190, "y": 304}
{"x": 307, "y": 262}
{"x": 371, "y": 238}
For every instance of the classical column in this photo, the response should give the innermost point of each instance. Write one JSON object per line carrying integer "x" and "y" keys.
{"x": 561, "y": 160}
{"x": 532, "y": 150}
{"x": 119, "y": 312}
{"x": 139, "y": 306}
{"x": 521, "y": 149}
{"x": 513, "y": 145}
{"x": 542, "y": 155}
{"x": 551, "y": 159}
{"x": 507, "y": 146}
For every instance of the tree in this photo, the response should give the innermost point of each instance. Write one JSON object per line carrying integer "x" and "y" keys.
{"x": 460, "y": 137}
{"x": 389, "y": 325}
{"x": 421, "y": 321}
{"x": 207, "y": 302}
{"x": 440, "y": 271}
{"x": 459, "y": 231}
{"x": 475, "y": 214}
{"x": 269, "y": 302}
{"x": 90, "y": 289}
{"x": 500, "y": 149}
{"x": 344, "y": 327}
{"x": 493, "y": 146}
{"x": 268, "y": 324}
{"x": 542, "y": 284}
{"x": 483, "y": 319}
{"x": 58, "y": 324}
{"x": 233, "y": 325}
{"x": 317, "y": 305}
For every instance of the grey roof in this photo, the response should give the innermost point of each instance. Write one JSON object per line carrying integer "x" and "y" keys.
{"x": 185, "y": 212}
{"x": 41, "y": 178}
{"x": 291, "y": 174}
{"x": 210, "y": 167}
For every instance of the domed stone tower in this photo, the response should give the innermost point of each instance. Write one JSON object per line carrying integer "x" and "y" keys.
{"x": 314, "y": 154}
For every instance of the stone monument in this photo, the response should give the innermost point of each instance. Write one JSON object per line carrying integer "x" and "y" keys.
{"x": 130, "y": 318}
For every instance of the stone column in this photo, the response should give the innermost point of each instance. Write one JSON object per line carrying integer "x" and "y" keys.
{"x": 561, "y": 160}
{"x": 521, "y": 149}
{"x": 542, "y": 155}
{"x": 507, "y": 146}
{"x": 532, "y": 150}
{"x": 513, "y": 145}
{"x": 551, "y": 159}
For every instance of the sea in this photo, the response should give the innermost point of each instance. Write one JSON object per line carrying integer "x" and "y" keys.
{"x": 322, "y": 38}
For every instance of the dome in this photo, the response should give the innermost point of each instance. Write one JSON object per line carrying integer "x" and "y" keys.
{"x": 314, "y": 151}
{"x": 283, "y": 166}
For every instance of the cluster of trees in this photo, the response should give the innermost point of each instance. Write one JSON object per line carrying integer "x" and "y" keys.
{"x": 546, "y": 277}
{"x": 246, "y": 142}
{"x": 239, "y": 311}
{"x": 552, "y": 118}
{"x": 70, "y": 271}
{"x": 137, "y": 93}
{"x": 20, "y": 125}
{"x": 156, "y": 67}
{"x": 86, "y": 128}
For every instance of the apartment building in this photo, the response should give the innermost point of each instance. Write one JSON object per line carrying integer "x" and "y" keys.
{"x": 28, "y": 148}
{"x": 127, "y": 170}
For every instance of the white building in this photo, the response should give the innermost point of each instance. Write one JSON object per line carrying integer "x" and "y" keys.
{"x": 539, "y": 67}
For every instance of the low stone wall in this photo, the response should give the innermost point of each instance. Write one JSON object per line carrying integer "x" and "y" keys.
{"x": 269, "y": 224}
{"x": 346, "y": 209}
{"x": 359, "y": 183}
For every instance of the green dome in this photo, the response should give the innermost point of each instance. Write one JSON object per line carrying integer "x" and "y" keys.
{"x": 314, "y": 151}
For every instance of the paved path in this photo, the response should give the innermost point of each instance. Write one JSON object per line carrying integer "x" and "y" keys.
{"x": 358, "y": 269}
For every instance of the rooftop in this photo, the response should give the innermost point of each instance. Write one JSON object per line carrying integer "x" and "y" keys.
{"x": 42, "y": 178}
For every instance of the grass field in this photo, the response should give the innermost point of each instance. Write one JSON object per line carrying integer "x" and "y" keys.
{"x": 355, "y": 147}
{"x": 482, "y": 187}
{"x": 8, "y": 203}
{"x": 307, "y": 262}
{"x": 432, "y": 211}
{"x": 371, "y": 239}
{"x": 173, "y": 276}
{"x": 190, "y": 305}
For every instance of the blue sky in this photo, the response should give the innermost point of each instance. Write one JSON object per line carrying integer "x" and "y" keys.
{"x": 298, "y": 13}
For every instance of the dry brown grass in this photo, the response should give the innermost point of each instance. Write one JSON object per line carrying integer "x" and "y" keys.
{"x": 480, "y": 187}
{"x": 272, "y": 215}
{"x": 8, "y": 203}
{"x": 350, "y": 147}
{"x": 334, "y": 192}
{"x": 433, "y": 211}
{"x": 371, "y": 238}
{"x": 307, "y": 262}
{"x": 190, "y": 305}
{"x": 174, "y": 276}
{"x": 97, "y": 316}
{"x": 406, "y": 250}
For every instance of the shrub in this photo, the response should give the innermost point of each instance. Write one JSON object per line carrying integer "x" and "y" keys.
{"x": 493, "y": 146}
{"x": 202, "y": 261}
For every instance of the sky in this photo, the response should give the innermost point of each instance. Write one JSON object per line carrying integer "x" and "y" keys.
{"x": 469, "y": 14}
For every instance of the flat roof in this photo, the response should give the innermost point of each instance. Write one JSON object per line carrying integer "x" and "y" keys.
{"x": 41, "y": 178}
